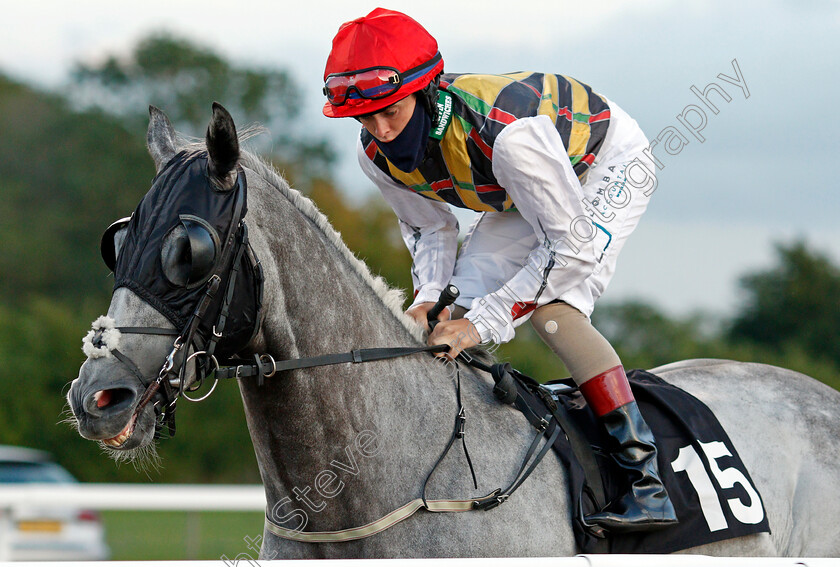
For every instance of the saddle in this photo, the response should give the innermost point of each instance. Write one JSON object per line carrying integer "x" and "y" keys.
{"x": 712, "y": 492}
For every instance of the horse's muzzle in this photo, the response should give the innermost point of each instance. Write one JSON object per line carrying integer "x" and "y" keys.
{"x": 103, "y": 398}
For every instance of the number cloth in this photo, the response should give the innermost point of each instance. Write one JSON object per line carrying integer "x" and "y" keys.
{"x": 712, "y": 492}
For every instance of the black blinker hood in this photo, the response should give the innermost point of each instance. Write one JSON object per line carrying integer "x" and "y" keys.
{"x": 184, "y": 187}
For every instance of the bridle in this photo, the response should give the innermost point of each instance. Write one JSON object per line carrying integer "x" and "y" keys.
{"x": 171, "y": 379}
{"x": 173, "y": 371}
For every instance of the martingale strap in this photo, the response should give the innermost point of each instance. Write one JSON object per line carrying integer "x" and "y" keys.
{"x": 458, "y": 433}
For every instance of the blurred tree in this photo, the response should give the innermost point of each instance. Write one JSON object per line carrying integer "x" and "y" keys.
{"x": 183, "y": 79}
{"x": 645, "y": 337}
{"x": 795, "y": 303}
{"x": 63, "y": 176}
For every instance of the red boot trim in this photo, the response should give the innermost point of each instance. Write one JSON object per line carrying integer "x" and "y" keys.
{"x": 607, "y": 391}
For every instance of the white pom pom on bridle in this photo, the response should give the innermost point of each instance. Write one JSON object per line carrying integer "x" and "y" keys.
{"x": 105, "y": 335}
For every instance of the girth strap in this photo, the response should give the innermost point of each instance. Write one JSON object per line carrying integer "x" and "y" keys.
{"x": 374, "y": 527}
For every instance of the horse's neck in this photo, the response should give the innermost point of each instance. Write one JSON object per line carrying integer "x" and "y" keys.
{"x": 362, "y": 422}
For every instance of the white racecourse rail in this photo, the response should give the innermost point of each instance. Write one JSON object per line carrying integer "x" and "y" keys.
{"x": 185, "y": 497}
{"x": 188, "y": 497}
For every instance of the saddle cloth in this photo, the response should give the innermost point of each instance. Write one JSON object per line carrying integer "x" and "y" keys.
{"x": 712, "y": 492}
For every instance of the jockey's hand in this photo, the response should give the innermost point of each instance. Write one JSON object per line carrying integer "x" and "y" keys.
{"x": 459, "y": 334}
{"x": 419, "y": 312}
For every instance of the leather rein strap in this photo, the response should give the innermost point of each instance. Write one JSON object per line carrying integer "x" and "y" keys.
{"x": 262, "y": 369}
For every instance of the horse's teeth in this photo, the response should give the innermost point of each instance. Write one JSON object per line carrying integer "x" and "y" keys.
{"x": 116, "y": 441}
{"x": 120, "y": 438}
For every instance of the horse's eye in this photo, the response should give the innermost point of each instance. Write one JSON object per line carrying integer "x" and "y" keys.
{"x": 188, "y": 254}
{"x": 112, "y": 240}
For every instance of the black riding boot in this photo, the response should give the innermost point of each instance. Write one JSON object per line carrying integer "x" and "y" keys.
{"x": 647, "y": 505}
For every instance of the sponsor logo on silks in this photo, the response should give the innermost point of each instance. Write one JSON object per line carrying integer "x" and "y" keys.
{"x": 444, "y": 106}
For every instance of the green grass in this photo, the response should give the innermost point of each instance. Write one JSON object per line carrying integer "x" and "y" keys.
{"x": 180, "y": 535}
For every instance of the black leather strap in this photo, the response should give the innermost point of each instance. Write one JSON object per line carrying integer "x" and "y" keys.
{"x": 524, "y": 470}
{"x": 241, "y": 368}
{"x": 460, "y": 421}
{"x": 460, "y": 428}
{"x": 581, "y": 448}
{"x": 227, "y": 298}
{"x": 149, "y": 331}
{"x": 555, "y": 432}
{"x": 131, "y": 366}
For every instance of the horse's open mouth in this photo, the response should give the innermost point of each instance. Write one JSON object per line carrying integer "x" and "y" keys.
{"x": 114, "y": 399}
{"x": 120, "y": 438}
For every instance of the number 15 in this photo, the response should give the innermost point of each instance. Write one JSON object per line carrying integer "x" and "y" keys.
{"x": 689, "y": 461}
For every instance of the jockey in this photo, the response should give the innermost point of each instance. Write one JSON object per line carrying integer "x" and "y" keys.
{"x": 560, "y": 178}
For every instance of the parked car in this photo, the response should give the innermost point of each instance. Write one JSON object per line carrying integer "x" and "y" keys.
{"x": 48, "y": 534}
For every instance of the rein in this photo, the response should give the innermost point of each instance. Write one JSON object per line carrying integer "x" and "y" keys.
{"x": 259, "y": 367}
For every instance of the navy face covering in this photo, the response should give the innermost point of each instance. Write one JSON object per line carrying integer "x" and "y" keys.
{"x": 406, "y": 151}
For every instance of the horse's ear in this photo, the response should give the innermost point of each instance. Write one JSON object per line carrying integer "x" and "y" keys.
{"x": 160, "y": 138}
{"x": 223, "y": 146}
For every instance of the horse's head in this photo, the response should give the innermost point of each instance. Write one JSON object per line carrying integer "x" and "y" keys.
{"x": 180, "y": 261}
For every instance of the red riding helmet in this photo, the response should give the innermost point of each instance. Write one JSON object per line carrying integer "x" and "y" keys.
{"x": 377, "y": 60}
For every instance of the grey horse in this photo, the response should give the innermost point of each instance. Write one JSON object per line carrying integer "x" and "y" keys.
{"x": 341, "y": 446}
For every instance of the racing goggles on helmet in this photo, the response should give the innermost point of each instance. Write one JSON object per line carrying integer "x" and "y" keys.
{"x": 372, "y": 83}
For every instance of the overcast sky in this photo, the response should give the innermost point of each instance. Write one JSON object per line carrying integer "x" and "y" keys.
{"x": 765, "y": 171}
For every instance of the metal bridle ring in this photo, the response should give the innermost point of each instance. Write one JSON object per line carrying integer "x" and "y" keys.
{"x": 273, "y": 365}
{"x": 215, "y": 382}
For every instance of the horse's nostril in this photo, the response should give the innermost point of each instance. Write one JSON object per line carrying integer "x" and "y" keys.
{"x": 112, "y": 398}
{"x": 102, "y": 398}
